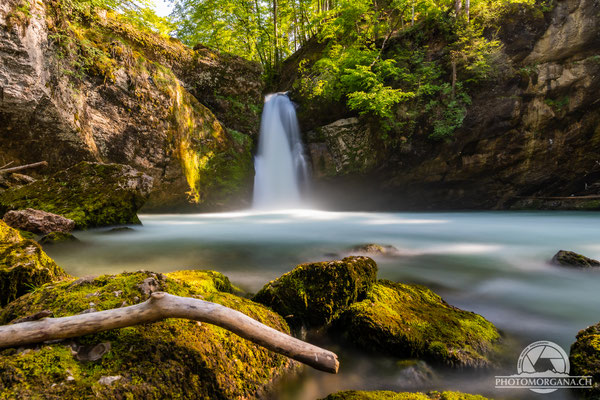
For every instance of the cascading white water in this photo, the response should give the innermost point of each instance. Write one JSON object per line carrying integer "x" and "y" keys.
{"x": 281, "y": 170}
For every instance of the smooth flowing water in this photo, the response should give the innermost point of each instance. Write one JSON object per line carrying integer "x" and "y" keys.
{"x": 493, "y": 263}
{"x": 280, "y": 165}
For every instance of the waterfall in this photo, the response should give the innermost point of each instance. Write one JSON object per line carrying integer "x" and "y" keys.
{"x": 281, "y": 170}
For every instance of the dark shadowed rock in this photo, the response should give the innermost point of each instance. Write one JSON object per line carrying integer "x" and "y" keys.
{"x": 411, "y": 321}
{"x": 91, "y": 194}
{"x": 572, "y": 259}
{"x": 312, "y": 294}
{"x": 38, "y": 221}
{"x": 585, "y": 357}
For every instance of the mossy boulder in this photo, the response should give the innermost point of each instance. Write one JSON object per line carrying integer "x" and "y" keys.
{"x": 412, "y": 321}
{"x": 585, "y": 356}
{"x": 572, "y": 259}
{"x": 57, "y": 237}
{"x": 23, "y": 265}
{"x": 91, "y": 194}
{"x": 388, "y": 395}
{"x": 171, "y": 359}
{"x": 312, "y": 294}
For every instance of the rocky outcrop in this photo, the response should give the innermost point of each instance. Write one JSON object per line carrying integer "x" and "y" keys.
{"x": 585, "y": 357}
{"x": 388, "y": 395}
{"x": 312, "y": 294}
{"x": 572, "y": 259}
{"x": 91, "y": 194}
{"x": 82, "y": 86}
{"x": 170, "y": 359}
{"x": 412, "y": 321}
{"x": 38, "y": 221}
{"x": 530, "y": 137}
{"x": 23, "y": 265}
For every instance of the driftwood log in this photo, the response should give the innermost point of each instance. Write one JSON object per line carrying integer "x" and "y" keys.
{"x": 162, "y": 305}
{"x": 22, "y": 167}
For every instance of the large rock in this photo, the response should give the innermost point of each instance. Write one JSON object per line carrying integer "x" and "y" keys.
{"x": 175, "y": 358}
{"x": 388, "y": 395}
{"x": 23, "y": 265}
{"x": 585, "y": 357}
{"x": 91, "y": 194}
{"x": 312, "y": 294}
{"x": 38, "y": 221}
{"x": 412, "y": 321}
{"x": 572, "y": 259}
{"x": 117, "y": 94}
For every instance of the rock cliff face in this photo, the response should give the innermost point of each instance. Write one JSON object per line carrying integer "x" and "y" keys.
{"x": 530, "y": 139}
{"x": 87, "y": 86}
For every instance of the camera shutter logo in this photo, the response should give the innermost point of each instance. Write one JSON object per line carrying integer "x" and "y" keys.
{"x": 543, "y": 367}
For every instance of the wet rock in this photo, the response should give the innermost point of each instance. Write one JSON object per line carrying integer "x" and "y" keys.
{"x": 57, "y": 237}
{"x": 91, "y": 194}
{"x": 91, "y": 352}
{"x": 388, "y": 395}
{"x": 312, "y": 294}
{"x": 23, "y": 265}
{"x": 120, "y": 229}
{"x": 375, "y": 249}
{"x": 38, "y": 221}
{"x": 411, "y": 321}
{"x": 416, "y": 373}
{"x": 571, "y": 259}
{"x": 585, "y": 358}
{"x": 109, "y": 380}
{"x": 166, "y": 359}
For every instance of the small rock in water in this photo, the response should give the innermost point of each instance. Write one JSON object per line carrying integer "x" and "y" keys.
{"x": 57, "y": 237}
{"x": 120, "y": 229}
{"x": 572, "y": 259}
{"x": 38, "y": 221}
{"x": 109, "y": 380}
{"x": 416, "y": 373}
{"x": 376, "y": 249}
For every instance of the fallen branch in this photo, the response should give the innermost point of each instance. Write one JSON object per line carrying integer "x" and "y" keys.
{"x": 22, "y": 167}
{"x": 162, "y": 305}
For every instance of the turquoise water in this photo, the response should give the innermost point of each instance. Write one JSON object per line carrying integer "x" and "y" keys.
{"x": 493, "y": 263}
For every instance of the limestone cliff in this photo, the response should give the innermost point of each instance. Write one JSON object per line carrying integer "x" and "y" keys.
{"x": 531, "y": 138}
{"x": 85, "y": 85}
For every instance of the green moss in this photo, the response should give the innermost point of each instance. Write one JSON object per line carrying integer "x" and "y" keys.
{"x": 312, "y": 294}
{"x": 57, "y": 237}
{"x": 412, "y": 321}
{"x": 388, "y": 395}
{"x": 91, "y": 194}
{"x": 23, "y": 265}
{"x": 175, "y": 359}
{"x": 585, "y": 357}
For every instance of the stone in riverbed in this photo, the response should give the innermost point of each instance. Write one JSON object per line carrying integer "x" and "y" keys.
{"x": 388, "y": 395}
{"x": 572, "y": 259}
{"x": 312, "y": 294}
{"x": 91, "y": 194}
{"x": 412, "y": 321}
{"x": 585, "y": 357}
{"x": 57, "y": 237}
{"x": 376, "y": 249}
{"x": 38, "y": 221}
{"x": 174, "y": 358}
{"x": 23, "y": 265}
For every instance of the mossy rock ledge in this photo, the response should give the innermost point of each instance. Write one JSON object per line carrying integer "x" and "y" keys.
{"x": 585, "y": 358}
{"x": 23, "y": 265}
{"x": 388, "y": 395}
{"x": 412, "y": 321}
{"x": 91, "y": 194}
{"x": 171, "y": 359}
{"x": 312, "y": 294}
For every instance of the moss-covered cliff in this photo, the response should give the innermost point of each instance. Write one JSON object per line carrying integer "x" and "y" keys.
{"x": 81, "y": 84}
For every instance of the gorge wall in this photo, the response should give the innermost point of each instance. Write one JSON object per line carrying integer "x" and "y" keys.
{"x": 78, "y": 85}
{"x": 530, "y": 138}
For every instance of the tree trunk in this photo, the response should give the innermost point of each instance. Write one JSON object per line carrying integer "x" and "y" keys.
{"x": 467, "y": 7}
{"x": 275, "y": 29}
{"x": 457, "y": 7}
{"x": 453, "y": 77}
{"x": 158, "y": 307}
{"x": 22, "y": 167}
